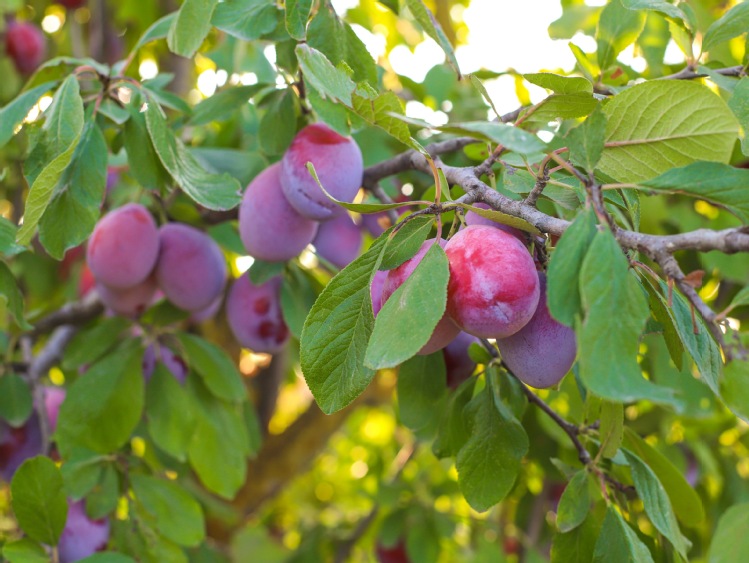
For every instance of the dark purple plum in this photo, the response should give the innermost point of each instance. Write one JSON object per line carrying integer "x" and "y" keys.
{"x": 493, "y": 289}
{"x": 473, "y": 218}
{"x": 254, "y": 315}
{"x": 339, "y": 166}
{"x": 458, "y": 363}
{"x": 270, "y": 228}
{"x": 394, "y": 554}
{"x": 446, "y": 330}
{"x": 131, "y": 301}
{"x": 543, "y": 351}
{"x": 25, "y": 45}
{"x": 124, "y": 246}
{"x": 18, "y": 444}
{"x": 171, "y": 361}
{"x": 338, "y": 240}
{"x": 82, "y": 537}
{"x": 191, "y": 270}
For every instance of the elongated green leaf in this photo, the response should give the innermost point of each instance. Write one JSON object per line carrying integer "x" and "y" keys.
{"x": 733, "y": 23}
{"x": 739, "y": 104}
{"x": 421, "y": 386}
{"x": 158, "y": 30}
{"x": 328, "y": 80}
{"x": 12, "y": 114}
{"x": 408, "y": 318}
{"x": 455, "y": 430}
{"x": 298, "y": 295}
{"x": 81, "y": 472}
{"x": 618, "y": 543}
{"x": 101, "y": 410}
{"x": 608, "y": 353}
{"x": 16, "y": 401}
{"x": 278, "y": 125}
{"x": 503, "y": 218}
{"x": 190, "y": 27}
{"x": 663, "y": 124}
{"x": 730, "y": 542}
{"x": 39, "y": 500}
{"x": 218, "y": 371}
{"x": 617, "y": 29}
{"x": 383, "y": 110}
{"x": 657, "y": 504}
{"x": 717, "y": 183}
{"x": 685, "y": 500}
{"x": 297, "y": 13}
{"x": 246, "y": 19}
{"x": 223, "y": 103}
{"x": 337, "y": 331}
{"x": 562, "y": 106}
{"x": 558, "y": 83}
{"x": 563, "y": 293}
{"x": 145, "y": 166}
{"x": 11, "y": 294}
{"x": 101, "y": 501}
{"x": 8, "y": 246}
{"x": 171, "y": 420}
{"x": 489, "y": 462}
{"x": 578, "y": 544}
{"x": 574, "y": 503}
{"x": 612, "y": 428}
{"x": 431, "y": 26}
{"x": 512, "y": 138}
{"x": 25, "y": 551}
{"x": 177, "y": 515}
{"x": 662, "y": 6}
{"x": 214, "y": 191}
{"x": 108, "y": 557}
{"x": 741, "y": 299}
{"x": 587, "y": 139}
{"x": 91, "y": 344}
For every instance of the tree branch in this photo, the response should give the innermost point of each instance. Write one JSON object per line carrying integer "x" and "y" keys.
{"x": 77, "y": 313}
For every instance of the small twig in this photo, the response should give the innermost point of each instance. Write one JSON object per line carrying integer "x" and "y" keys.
{"x": 77, "y": 313}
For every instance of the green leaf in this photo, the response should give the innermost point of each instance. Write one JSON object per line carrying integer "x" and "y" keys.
{"x": 618, "y": 543}
{"x": 685, "y": 500}
{"x": 503, "y": 218}
{"x": 90, "y": 344}
{"x": 190, "y": 27}
{"x": 102, "y": 499}
{"x": 561, "y": 106}
{"x": 383, "y": 110}
{"x": 219, "y": 435}
{"x": 574, "y": 503}
{"x": 587, "y": 139}
{"x": 102, "y": 409}
{"x": 16, "y": 402}
{"x": 432, "y": 28}
{"x": 662, "y": 6}
{"x": 454, "y": 430}
{"x": 656, "y": 502}
{"x": 406, "y": 242}
{"x": 8, "y": 246}
{"x": 560, "y": 84}
{"x": 108, "y": 557}
{"x": 81, "y": 472}
{"x": 12, "y": 296}
{"x": 720, "y": 184}
{"x": 217, "y": 192}
{"x": 38, "y": 499}
{"x": 612, "y": 428}
{"x": 578, "y": 544}
{"x": 733, "y": 23}
{"x": 509, "y": 136}
{"x": 157, "y": 30}
{"x": 246, "y": 19}
{"x": 278, "y": 125}
{"x": 145, "y": 165}
{"x": 336, "y": 40}
{"x": 408, "y": 318}
{"x": 260, "y": 272}
{"x": 171, "y": 420}
{"x": 297, "y": 14}
{"x": 422, "y": 383}
{"x": 663, "y": 124}
{"x": 336, "y": 333}
{"x": 12, "y": 114}
{"x": 730, "y": 542}
{"x": 218, "y": 371}
{"x": 734, "y": 389}
{"x": 608, "y": 290}
{"x": 563, "y": 293}
{"x": 617, "y": 29}
{"x": 489, "y": 462}
{"x": 240, "y": 164}
{"x": 24, "y": 551}
{"x": 484, "y": 93}
{"x": 298, "y": 295}
{"x": 177, "y": 515}
{"x": 328, "y": 80}
{"x": 739, "y": 104}
{"x": 224, "y": 103}
{"x": 75, "y": 207}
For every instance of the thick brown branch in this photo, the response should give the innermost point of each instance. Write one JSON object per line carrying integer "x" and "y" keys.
{"x": 689, "y": 74}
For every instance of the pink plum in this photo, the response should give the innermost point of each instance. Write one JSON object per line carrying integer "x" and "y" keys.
{"x": 53, "y": 398}
{"x": 338, "y": 240}
{"x": 473, "y": 218}
{"x": 375, "y": 290}
{"x": 131, "y": 301}
{"x": 254, "y": 314}
{"x": 171, "y": 361}
{"x": 82, "y": 537}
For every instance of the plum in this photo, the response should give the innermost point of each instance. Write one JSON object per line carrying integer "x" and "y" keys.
{"x": 191, "y": 270}
{"x": 394, "y": 554}
{"x": 543, "y": 351}
{"x": 458, "y": 363}
{"x": 254, "y": 314}
{"x": 171, "y": 361}
{"x": 473, "y": 218}
{"x": 81, "y": 537}
{"x": 131, "y": 301}
{"x": 338, "y": 240}
{"x": 53, "y": 398}
{"x": 375, "y": 290}
{"x": 339, "y": 166}
{"x": 446, "y": 330}
{"x": 493, "y": 289}
{"x": 208, "y": 312}
{"x": 270, "y": 228}
{"x": 124, "y": 246}
{"x": 25, "y": 45}
{"x": 18, "y": 444}
{"x": 72, "y": 4}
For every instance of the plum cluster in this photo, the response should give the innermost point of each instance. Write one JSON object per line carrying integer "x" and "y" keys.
{"x": 494, "y": 292}
{"x": 131, "y": 259}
